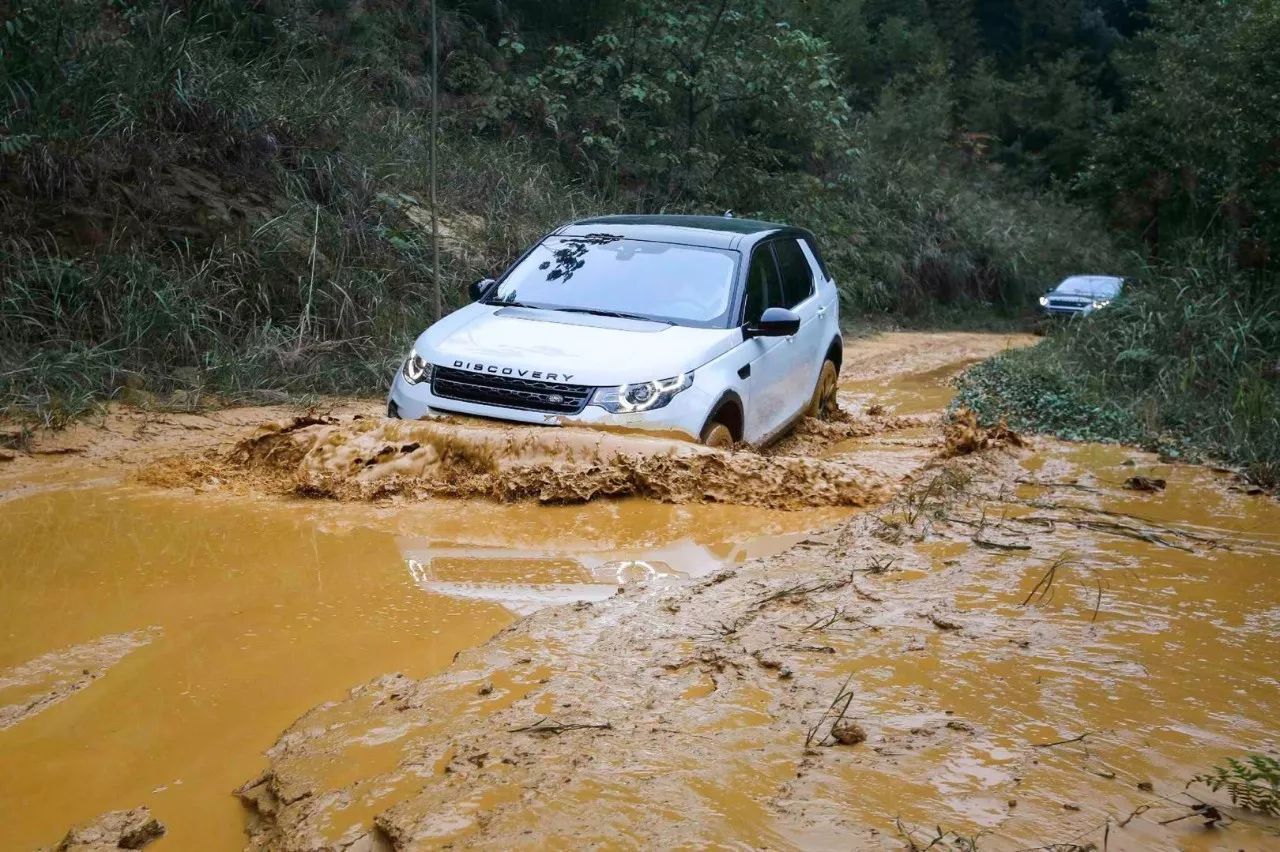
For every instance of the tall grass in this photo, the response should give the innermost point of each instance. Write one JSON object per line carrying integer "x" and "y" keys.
{"x": 233, "y": 201}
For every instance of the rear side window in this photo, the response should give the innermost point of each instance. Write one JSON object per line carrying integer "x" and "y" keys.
{"x": 797, "y": 274}
{"x": 763, "y": 286}
{"x": 812, "y": 248}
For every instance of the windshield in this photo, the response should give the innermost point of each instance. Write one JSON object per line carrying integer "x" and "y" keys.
{"x": 610, "y": 275}
{"x": 1090, "y": 285}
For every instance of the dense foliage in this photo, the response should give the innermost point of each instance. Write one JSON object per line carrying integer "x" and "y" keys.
{"x": 230, "y": 196}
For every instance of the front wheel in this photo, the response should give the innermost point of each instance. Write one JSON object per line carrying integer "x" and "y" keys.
{"x": 717, "y": 435}
{"x": 823, "y": 403}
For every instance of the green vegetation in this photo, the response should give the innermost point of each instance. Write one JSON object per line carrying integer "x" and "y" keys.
{"x": 1188, "y": 360}
{"x": 230, "y": 197}
{"x": 1252, "y": 783}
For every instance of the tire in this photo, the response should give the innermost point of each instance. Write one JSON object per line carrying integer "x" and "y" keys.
{"x": 716, "y": 434}
{"x": 824, "y": 392}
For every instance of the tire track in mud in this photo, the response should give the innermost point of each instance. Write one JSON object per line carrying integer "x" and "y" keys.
{"x": 33, "y": 687}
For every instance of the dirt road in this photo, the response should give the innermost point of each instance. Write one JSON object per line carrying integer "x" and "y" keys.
{"x": 1010, "y": 646}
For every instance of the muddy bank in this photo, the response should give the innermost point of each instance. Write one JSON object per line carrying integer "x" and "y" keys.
{"x": 132, "y": 829}
{"x": 1015, "y": 649}
{"x": 365, "y": 458}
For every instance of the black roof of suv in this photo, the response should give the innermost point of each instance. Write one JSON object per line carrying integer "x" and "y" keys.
{"x": 710, "y": 231}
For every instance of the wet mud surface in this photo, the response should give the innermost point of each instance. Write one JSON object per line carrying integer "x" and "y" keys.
{"x": 994, "y": 702}
{"x": 997, "y": 639}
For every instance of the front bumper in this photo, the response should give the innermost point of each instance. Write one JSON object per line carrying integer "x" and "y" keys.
{"x": 686, "y": 414}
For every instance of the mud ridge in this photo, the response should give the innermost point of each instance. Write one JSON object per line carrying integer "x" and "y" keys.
{"x": 369, "y": 458}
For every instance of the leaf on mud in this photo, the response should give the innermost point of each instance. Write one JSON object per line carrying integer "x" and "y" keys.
{"x": 848, "y": 733}
{"x": 1144, "y": 483}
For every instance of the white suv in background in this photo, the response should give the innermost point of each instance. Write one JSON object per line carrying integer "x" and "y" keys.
{"x": 1081, "y": 295}
{"x": 723, "y": 329}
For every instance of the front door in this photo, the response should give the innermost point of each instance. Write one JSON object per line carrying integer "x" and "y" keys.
{"x": 769, "y": 358}
{"x": 806, "y": 348}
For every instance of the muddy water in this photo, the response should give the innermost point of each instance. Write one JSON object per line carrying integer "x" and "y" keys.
{"x": 1144, "y": 663}
{"x": 154, "y": 644}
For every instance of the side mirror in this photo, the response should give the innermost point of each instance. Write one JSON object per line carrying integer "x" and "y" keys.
{"x": 479, "y": 288}
{"x": 775, "y": 322}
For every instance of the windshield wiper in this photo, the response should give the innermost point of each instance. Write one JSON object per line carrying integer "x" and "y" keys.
{"x": 503, "y": 304}
{"x": 618, "y": 314}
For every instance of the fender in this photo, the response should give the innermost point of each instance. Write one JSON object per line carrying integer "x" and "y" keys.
{"x": 729, "y": 397}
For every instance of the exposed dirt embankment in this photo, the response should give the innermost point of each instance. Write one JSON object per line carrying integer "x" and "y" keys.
{"x": 364, "y": 458}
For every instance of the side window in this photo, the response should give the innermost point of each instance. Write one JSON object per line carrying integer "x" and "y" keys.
{"x": 763, "y": 287}
{"x": 797, "y": 274}
{"x": 811, "y": 249}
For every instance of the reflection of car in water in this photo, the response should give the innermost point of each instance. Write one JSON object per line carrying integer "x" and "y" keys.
{"x": 723, "y": 329}
{"x": 1081, "y": 295}
{"x": 524, "y": 581}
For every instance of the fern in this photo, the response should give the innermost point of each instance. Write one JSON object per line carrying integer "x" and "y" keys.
{"x": 1252, "y": 783}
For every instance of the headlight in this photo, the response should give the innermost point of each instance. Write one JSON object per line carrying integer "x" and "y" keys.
{"x": 1044, "y": 301}
{"x": 1101, "y": 303}
{"x": 416, "y": 370}
{"x": 642, "y": 396}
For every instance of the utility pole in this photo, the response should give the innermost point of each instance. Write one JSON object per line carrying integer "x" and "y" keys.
{"x": 435, "y": 125}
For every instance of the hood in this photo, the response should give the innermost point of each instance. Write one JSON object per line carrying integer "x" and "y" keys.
{"x": 579, "y": 349}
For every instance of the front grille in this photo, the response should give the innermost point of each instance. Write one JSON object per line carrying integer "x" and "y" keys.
{"x": 509, "y": 392}
{"x": 1069, "y": 304}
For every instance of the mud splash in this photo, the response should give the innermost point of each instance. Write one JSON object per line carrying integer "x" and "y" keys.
{"x": 368, "y": 458}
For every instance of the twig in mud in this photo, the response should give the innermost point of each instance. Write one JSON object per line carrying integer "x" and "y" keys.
{"x": 1097, "y": 604}
{"x": 844, "y": 696}
{"x": 1137, "y": 812}
{"x": 1210, "y": 814}
{"x": 1078, "y": 739}
{"x": 1045, "y": 584}
{"x": 549, "y": 728}
{"x": 825, "y": 621}
{"x": 1050, "y": 484}
{"x": 880, "y": 564}
{"x": 996, "y": 545}
{"x": 681, "y": 733}
{"x": 802, "y": 589}
{"x": 1117, "y": 529}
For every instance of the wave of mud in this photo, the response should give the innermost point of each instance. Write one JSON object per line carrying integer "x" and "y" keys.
{"x": 369, "y": 458}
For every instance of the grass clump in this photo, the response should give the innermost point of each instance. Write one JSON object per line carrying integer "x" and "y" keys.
{"x": 1186, "y": 362}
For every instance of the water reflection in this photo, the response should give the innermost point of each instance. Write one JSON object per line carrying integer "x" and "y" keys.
{"x": 524, "y": 581}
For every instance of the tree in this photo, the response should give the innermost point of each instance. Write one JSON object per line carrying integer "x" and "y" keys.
{"x": 1197, "y": 149}
{"x": 688, "y": 100}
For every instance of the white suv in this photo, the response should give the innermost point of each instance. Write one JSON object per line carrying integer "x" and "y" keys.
{"x": 722, "y": 329}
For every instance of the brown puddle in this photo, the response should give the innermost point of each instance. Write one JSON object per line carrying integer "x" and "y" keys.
{"x": 157, "y": 642}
